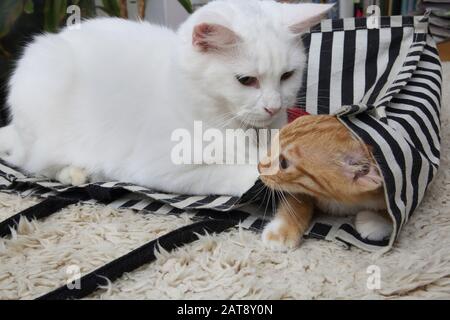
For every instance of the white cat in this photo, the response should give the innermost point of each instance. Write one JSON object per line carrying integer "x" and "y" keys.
{"x": 102, "y": 102}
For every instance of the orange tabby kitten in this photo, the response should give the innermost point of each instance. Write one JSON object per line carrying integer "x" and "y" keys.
{"x": 322, "y": 165}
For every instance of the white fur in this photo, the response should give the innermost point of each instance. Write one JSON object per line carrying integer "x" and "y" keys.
{"x": 371, "y": 225}
{"x": 275, "y": 240}
{"x": 107, "y": 97}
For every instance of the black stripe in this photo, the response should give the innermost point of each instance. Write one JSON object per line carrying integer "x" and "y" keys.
{"x": 420, "y": 123}
{"x": 426, "y": 87}
{"x": 407, "y": 21}
{"x": 373, "y": 43}
{"x": 385, "y": 22}
{"x": 429, "y": 78}
{"x": 436, "y": 72}
{"x": 412, "y": 134}
{"x": 337, "y": 25}
{"x": 154, "y": 206}
{"x": 350, "y": 230}
{"x": 430, "y": 59}
{"x": 130, "y": 203}
{"x": 323, "y": 100}
{"x": 432, "y": 49}
{"x": 302, "y": 92}
{"x": 348, "y": 67}
{"x": 415, "y": 94}
{"x": 397, "y": 151}
{"x": 382, "y": 163}
{"x": 360, "y": 23}
{"x": 415, "y": 174}
{"x": 394, "y": 51}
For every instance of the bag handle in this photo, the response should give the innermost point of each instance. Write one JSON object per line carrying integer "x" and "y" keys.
{"x": 137, "y": 258}
{"x": 54, "y": 204}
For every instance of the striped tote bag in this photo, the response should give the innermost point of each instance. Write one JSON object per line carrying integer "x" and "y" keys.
{"x": 384, "y": 83}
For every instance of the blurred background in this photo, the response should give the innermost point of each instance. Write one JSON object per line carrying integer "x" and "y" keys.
{"x": 21, "y": 19}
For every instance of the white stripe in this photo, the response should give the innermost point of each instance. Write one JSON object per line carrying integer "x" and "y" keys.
{"x": 216, "y": 203}
{"x": 349, "y": 24}
{"x": 247, "y": 223}
{"x": 396, "y": 21}
{"x": 141, "y": 204}
{"x": 326, "y": 25}
{"x": 430, "y": 66}
{"x": 336, "y": 71}
{"x": 135, "y": 188}
{"x": 120, "y": 202}
{"x": 4, "y": 182}
{"x": 359, "y": 75}
{"x": 48, "y": 184}
{"x": 109, "y": 184}
{"x": 428, "y": 83}
{"x": 185, "y": 203}
{"x": 430, "y": 74}
{"x": 162, "y": 196}
{"x": 11, "y": 171}
{"x": 164, "y": 209}
{"x": 313, "y": 73}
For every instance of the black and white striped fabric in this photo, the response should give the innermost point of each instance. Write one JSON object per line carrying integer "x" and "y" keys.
{"x": 384, "y": 84}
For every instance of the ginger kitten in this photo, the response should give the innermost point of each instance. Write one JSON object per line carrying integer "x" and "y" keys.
{"x": 323, "y": 166}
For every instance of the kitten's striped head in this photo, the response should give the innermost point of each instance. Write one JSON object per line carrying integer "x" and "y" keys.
{"x": 320, "y": 157}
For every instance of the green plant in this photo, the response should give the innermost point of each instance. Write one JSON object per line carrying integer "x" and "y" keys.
{"x": 55, "y": 11}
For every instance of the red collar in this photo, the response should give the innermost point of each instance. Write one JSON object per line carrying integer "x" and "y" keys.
{"x": 294, "y": 113}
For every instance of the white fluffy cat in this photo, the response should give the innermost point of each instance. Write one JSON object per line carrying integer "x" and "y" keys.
{"x": 102, "y": 102}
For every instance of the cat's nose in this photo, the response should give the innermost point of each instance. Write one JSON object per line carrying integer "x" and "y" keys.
{"x": 272, "y": 111}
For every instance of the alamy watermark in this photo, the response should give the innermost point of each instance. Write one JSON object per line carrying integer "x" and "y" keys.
{"x": 212, "y": 146}
{"x": 73, "y": 274}
{"x": 374, "y": 278}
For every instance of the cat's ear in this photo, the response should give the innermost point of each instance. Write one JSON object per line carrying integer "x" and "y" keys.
{"x": 305, "y": 15}
{"x": 210, "y": 37}
{"x": 362, "y": 171}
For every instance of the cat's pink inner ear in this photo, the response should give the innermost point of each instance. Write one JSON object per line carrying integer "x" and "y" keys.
{"x": 308, "y": 16}
{"x": 209, "y": 37}
{"x": 362, "y": 171}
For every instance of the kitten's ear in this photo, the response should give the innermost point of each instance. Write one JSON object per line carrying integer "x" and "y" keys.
{"x": 210, "y": 37}
{"x": 305, "y": 15}
{"x": 362, "y": 171}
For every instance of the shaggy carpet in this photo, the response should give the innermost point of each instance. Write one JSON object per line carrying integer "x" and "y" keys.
{"x": 233, "y": 265}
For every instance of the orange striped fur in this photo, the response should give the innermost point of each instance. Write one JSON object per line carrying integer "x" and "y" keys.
{"x": 326, "y": 167}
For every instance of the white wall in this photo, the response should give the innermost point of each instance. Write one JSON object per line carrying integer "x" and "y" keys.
{"x": 166, "y": 12}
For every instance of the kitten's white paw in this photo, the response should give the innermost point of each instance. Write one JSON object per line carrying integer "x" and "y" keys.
{"x": 71, "y": 175}
{"x": 280, "y": 236}
{"x": 372, "y": 225}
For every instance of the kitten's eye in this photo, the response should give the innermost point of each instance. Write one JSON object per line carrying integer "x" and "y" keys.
{"x": 287, "y": 75}
{"x": 284, "y": 163}
{"x": 248, "y": 81}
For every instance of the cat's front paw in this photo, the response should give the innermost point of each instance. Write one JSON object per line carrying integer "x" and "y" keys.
{"x": 373, "y": 226}
{"x": 73, "y": 176}
{"x": 280, "y": 236}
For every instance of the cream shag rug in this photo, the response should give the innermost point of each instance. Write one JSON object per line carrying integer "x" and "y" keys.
{"x": 232, "y": 265}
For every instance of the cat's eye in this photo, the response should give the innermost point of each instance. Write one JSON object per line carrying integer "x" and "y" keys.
{"x": 248, "y": 81}
{"x": 287, "y": 75}
{"x": 284, "y": 163}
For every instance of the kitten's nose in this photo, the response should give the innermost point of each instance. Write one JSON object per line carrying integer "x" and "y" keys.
{"x": 272, "y": 111}
{"x": 263, "y": 165}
